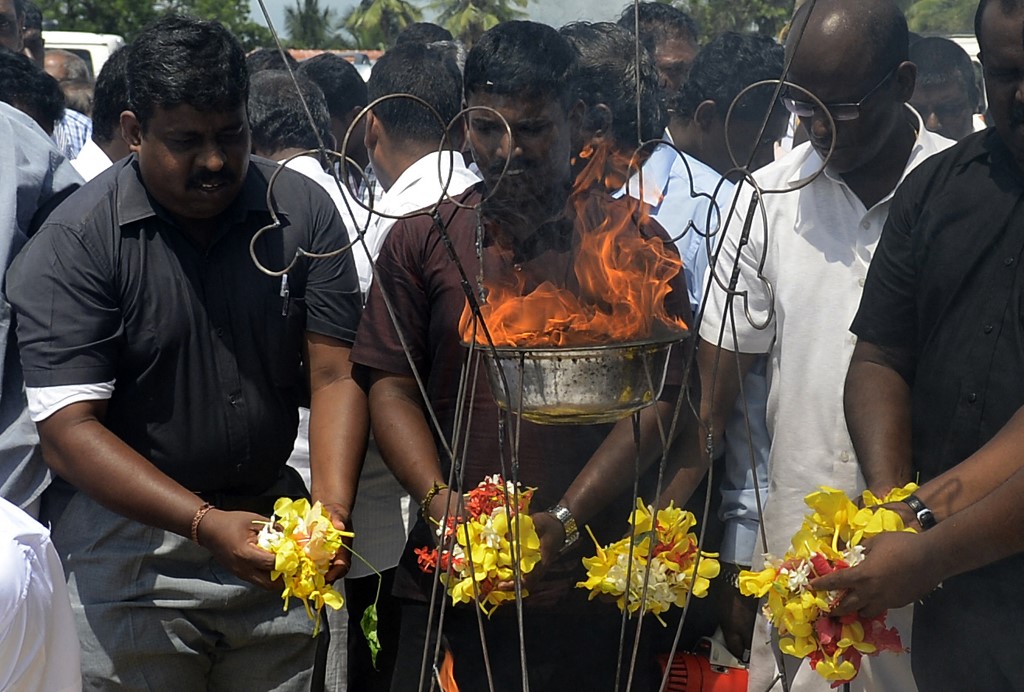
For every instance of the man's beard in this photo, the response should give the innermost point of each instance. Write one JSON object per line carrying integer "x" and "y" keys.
{"x": 521, "y": 204}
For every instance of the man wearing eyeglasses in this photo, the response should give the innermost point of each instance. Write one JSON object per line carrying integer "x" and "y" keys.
{"x": 799, "y": 270}
{"x": 934, "y": 388}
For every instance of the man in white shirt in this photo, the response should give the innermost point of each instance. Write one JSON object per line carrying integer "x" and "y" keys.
{"x": 38, "y": 641}
{"x": 801, "y": 269}
{"x": 412, "y": 161}
{"x": 110, "y": 99}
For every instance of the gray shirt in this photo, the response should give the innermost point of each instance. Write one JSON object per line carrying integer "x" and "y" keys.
{"x": 205, "y": 349}
{"x": 32, "y": 175}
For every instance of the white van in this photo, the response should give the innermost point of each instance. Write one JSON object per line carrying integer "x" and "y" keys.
{"x": 93, "y": 48}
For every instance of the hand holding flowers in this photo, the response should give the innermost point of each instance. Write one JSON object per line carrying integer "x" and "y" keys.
{"x": 664, "y": 545}
{"x": 477, "y": 552}
{"x": 304, "y": 543}
{"x": 830, "y": 540}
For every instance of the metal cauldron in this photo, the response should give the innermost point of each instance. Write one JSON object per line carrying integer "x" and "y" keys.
{"x": 579, "y": 385}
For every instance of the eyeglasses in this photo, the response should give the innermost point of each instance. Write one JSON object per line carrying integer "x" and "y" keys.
{"x": 839, "y": 111}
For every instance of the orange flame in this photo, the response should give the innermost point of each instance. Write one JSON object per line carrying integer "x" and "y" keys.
{"x": 622, "y": 278}
{"x": 446, "y": 674}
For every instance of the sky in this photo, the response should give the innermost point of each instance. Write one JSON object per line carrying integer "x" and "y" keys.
{"x": 553, "y": 12}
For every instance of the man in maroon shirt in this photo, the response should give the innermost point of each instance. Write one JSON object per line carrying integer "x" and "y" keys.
{"x": 522, "y": 73}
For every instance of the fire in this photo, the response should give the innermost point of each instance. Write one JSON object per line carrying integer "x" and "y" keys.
{"x": 617, "y": 288}
{"x": 446, "y": 675}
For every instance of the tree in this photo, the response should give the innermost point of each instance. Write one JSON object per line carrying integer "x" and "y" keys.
{"x": 127, "y": 17}
{"x": 374, "y": 24}
{"x": 309, "y": 26}
{"x": 468, "y": 19}
{"x": 942, "y": 16}
{"x": 714, "y": 16}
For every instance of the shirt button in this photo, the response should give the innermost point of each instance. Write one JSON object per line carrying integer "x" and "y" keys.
{"x": 233, "y": 399}
{"x": 988, "y": 328}
{"x": 845, "y": 456}
{"x": 861, "y": 282}
{"x": 865, "y": 225}
{"x": 853, "y": 339}
{"x": 1008, "y": 261}
{"x": 971, "y": 398}
{"x": 220, "y": 331}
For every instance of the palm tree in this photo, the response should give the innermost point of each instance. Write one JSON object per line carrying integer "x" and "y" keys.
{"x": 376, "y": 23}
{"x": 467, "y": 19}
{"x": 309, "y": 26}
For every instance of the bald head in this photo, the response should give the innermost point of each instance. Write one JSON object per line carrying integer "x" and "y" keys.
{"x": 829, "y": 32}
{"x": 64, "y": 65}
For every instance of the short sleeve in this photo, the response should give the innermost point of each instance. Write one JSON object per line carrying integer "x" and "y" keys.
{"x": 333, "y": 299}
{"x": 749, "y": 307}
{"x": 400, "y": 275}
{"x": 69, "y": 323}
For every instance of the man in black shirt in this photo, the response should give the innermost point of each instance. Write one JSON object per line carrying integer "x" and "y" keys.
{"x": 163, "y": 369}
{"x": 936, "y": 375}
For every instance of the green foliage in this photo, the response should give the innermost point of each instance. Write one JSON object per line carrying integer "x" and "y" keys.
{"x": 310, "y": 26}
{"x": 368, "y": 624}
{"x": 374, "y": 24}
{"x": 468, "y": 19}
{"x": 715, "y": 16}
{"x": 128, "y": 17}
{"x": 942, "y": 16}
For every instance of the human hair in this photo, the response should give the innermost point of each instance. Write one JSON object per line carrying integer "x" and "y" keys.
{"x": 33, "y": 15}
{"x": 423, "y": 32}
{"x": 725, "y": 67}
{"x": 1007, "y": 6}
{"x": 20, "y": 7}
{"x": 110, "y": 97}
{"x": 424, "y": 71}
{"x": 659, "y": 22}
{"x": 75, "y": 68}
{"x": 26, "y": 87}
{"x": 184, "y": 61}
{"x": 277, "y": 119}
{"x": 268, "y": 59}
{"x": 455, "y": 50}
{"x": 938, "y": 59}
{"x": 341, "y": 83}
{"x": 607, "y": 74}
{"x": 522, "y": 58}
{"x": 78, "y": 95}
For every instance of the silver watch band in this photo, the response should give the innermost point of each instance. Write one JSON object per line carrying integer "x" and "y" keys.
{"x": 572, "y": 533}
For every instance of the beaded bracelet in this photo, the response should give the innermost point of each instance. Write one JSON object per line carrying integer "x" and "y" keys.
{"x": 429, "y": 497}
{"x": 200, "y": 513}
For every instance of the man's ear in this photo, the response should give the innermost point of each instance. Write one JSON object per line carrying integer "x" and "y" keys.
{"x": 131, "y": 130}
{"x": 600, "y": 119}
{"x": 705, "y": 114}
{"x": 906, "y": 80}
{"x": 371, "y": 134}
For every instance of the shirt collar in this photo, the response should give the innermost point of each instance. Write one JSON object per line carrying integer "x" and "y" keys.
{"x": 925, "y": 144}
{"x": 656, "y": 171}
{"x": 134, "y": 202}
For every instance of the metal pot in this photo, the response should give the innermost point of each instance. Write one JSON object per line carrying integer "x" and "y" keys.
{"x": 589, "y": 384}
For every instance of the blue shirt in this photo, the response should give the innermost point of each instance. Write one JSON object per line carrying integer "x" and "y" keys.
{"x": 689, "y": 199}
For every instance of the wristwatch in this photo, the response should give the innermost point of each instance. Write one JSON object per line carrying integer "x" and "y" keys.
{"x": 572, "y": 533}
{"x": 924, "y": 515}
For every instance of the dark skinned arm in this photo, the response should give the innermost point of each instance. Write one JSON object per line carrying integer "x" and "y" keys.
{"x": 338, "y": 430}
{"x": 877, "y": 404}
{"x": 79, "y": 448}
{"x": 980, "y": 507}
{"x": 403, "y": 435}
{"x": 721, "y": 372}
